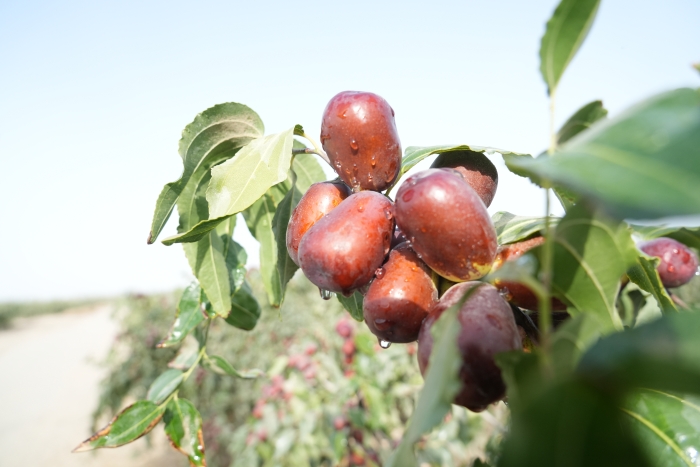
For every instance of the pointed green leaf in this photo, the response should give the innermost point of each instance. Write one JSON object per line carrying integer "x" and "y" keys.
{"x": 129, "y": 425}
{"x": 188, "y": 316}
{"x": 221, "y": 366}
{"x": 353, "y": 305}
{"x": 572, "y": 339}
{"x": 186, "y": 355}
{"x": 666, "y": 425}
{"x": 511, "y": 228}
{"x": 236, "y": 258}
{"x": 164, "y": 385}
{"x": 183, "y": 426}
{"x": 214, "y": 135}
{"x": 285, "y": 266}
{"x": 645, "y": 275}
{"x": 245, "y": 309}
{"x": 208, "y": 264}
{"x": 566, "y": 31}
{"x": 581, "y": 121}
{"x": 641, "y": 164}
{"x": 308, "y": 171}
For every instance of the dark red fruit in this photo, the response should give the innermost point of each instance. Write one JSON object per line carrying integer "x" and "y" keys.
{"x": 341, "y": 251}
{"x": 398, "y": 238}
{"x": 320, "y": 199}
{"x": 515, "y": 292}
{"x": 488, "y": 328}
{"x": 478, "y": 171}
{"x": 400, "y": 297}
{"x": 678, "y": 262}
{"x": 359, "y": 135}
{"x": 447, "y": 224}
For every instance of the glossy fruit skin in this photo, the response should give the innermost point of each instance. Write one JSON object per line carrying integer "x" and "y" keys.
{"x": 320, "y": 199}
{"x": 488, "y": 328}
{"x": 447, "y": 224}
{"x": 398, "y": 238}
{"x": 478, "y": 171}
{"x": 358, "y": 132}
{"x": 515, "y": 292}
{"x": 341, "y": 251}
{"x": 678, "y": 262}
{"x": 399, "y": 298}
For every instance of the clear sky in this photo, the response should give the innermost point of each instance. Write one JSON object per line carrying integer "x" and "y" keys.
{"x": 94, "y": 95}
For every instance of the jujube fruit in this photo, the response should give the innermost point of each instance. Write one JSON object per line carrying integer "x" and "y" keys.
{"x": 476, "y": 169}
{"x": 400, "y": 297}
{"x": 447, "y": 224}
{"x": 320, "y": 199}
{"x": 487, "y": 328}
{"x": 359, "y": 135}
{"x": 516, "y": 293}
{"x": 341, "y": 252}
{"x": 678, "y": 262}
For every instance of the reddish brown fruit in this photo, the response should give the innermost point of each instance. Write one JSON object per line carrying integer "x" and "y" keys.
{"x": 447, "y": 224}
{"x": 320, "y": 199}
{"x": 478, "y": 171}
{"x": 398, "y": 238}
{"x": 359, "y": 135}
{"x": 516, "y": 293}
{"x": 488, "y": 328}
{"x": 341, "y": 251}
{"x": 400, "y": 297}
{"x": 678, "y": 262}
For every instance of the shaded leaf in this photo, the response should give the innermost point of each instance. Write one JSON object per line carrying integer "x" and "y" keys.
{"x": 221, "y": 366}
{"x": 353, "y": 305}
{"x": 214, "y": 135}
{"x": 581, "y": 121}
{"x": 654, "y": 145}
{"x": 572, "y": 340}
{"x": 245, "y": 309}
{"x": 208, "y": 264}
{"x": 129, "y": 425}
{"x": 511, "y": 228}
{"x": 164, "y": 385}
{"x": 183, "y": 426}
{"x": 566, "y": 31}
{"x": 689, "y": 236}
{"x": 188, "y": 316}
{"x": 645, "y": 275}
{"x": 666, "y": 425}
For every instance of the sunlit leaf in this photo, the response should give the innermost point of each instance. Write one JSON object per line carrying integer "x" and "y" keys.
{"x": 511, "y": 228}
{"x": 188, "y": 316}
{"x": 186, "y": 355}
{"x": 183, "y": 426}
{"x": 581, "y": 121}
{"x": 566, "y": 31}
{"x": 214, "y": 135}
{"x": 640, "y": 164}
{"x": 353, "y": 305}
{"x": 164, "y": 385}
{"x": 129, "y": 425}
{"x": 221, "y": 366}
{"x": 645, "y": 275}
{"x": 208, "y": 264}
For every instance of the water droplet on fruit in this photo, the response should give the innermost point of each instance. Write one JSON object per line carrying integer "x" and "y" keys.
{"x": 325, "y": 294}
{"x": 360, "y": 207}
{"x": 388, "y": 214}
{"x": 384, "y": 344}
{"x": 382, "y": 324}
{"x": 337, "y": 164}
{"x": 356, "y": 186}
{"x": 407, "y": 196}
{"x": 412, "y": 239}
{"x": 670, "y": 268}
{"x": 369, "y": 177}
{"x": 379, "y": 273}
{"x": 505, "y": 293}
{"x": 354, "y": 146}
{"x": 373, "y": 161}
{"x": 342, "y": 115}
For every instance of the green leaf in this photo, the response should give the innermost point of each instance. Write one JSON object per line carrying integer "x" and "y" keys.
{"x": 581, "y": 121}
{"x": 214, "y": 135}
{"x": 245, "y": 309}
{"x": 666, "y": 425}
{"x": 129, "y": 425}
{"x": 187, "y": 354}
{"x": 236, "y": 258}
{"x": 641, "y": 164}
{"x": 284, "y": 265}
{"x": 183, "y": 426}
{"x": 441, "y": 384}
{"x": 566, "y": 31}
{"x": 164, "y": 385}
{"x": 208, "y": 264}
{"x": 663, "y": 355}
{"x": 685, "y": 235}
{"x": 307, "y": 170}
{"x": 414, "y": 154}
{"x": 645, "y": 275}
{"x": 221, "y": 366}
{"x": 511, "y": 228}
{"x": 572, "y": 340}
{"x": 591, "y": 253}
{"x": 353, "y": 305}
{"x": 188, "y": 316}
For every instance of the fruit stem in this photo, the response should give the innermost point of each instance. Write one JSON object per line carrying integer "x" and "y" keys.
{"x": 317, "y": 149}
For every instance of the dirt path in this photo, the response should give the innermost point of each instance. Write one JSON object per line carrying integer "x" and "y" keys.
{"x": 49, "y": 387}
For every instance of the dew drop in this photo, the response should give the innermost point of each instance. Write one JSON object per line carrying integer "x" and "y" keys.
{"x": 354, "y": 146}
{"x": 360, "y": 207}
{"x": 412, "y": 239}
{"x": 384, "y": 344}
{"x": 369, "y": 177}
{"x": 379, "y": 273}
{"x": 325, "y": 294}
{"x": 356, "y": 186}
{"x": 671, "y": 268}
{"x": 388, "y": 214}
{"x": 382, "y": 324}
{"x": 373, "y": 161}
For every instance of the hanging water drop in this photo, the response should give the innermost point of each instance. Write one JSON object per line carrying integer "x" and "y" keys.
{"x": 388, "y": 214}
{"x": 354, "y": 146}
{"x": 379, "y": 273}
{"x": 325, "y": 294}
{"x": 384, "y": 344}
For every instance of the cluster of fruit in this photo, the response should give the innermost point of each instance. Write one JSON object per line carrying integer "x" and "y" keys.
{"x": 415, "y": 257}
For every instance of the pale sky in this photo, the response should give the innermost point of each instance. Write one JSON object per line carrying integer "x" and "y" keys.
{"x": 94, "y": 95}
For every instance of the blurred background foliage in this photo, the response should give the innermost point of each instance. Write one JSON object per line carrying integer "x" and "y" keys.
{"x": 331, "y": 395}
